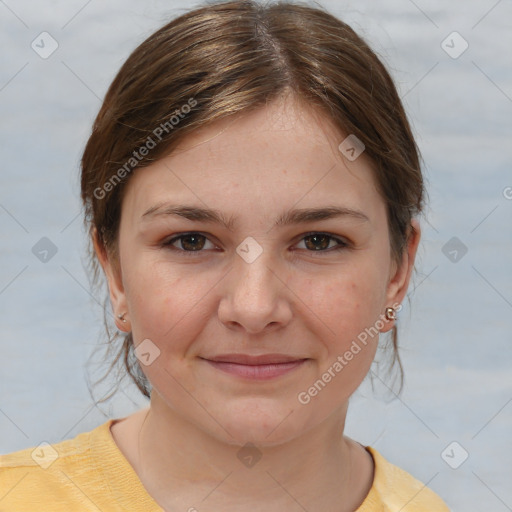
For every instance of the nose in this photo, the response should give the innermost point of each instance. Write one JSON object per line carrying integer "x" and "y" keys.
{"x": 255, "y": 297}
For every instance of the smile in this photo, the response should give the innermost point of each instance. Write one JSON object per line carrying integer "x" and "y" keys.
{"x": 257, "y": 371}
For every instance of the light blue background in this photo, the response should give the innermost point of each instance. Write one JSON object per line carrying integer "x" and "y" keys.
{"x": 455, "y": 339}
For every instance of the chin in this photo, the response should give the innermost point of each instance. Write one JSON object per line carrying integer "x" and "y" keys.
{"x": 260, "y": 426}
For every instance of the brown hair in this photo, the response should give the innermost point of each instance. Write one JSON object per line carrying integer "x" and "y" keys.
{"x": 232, "y": 57}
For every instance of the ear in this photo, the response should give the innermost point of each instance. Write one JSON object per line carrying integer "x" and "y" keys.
{"x": 114, "y": 280}
{"x": 401, "y": 274}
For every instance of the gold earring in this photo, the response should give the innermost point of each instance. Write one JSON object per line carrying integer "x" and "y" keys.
{"x": 390, "y": 313}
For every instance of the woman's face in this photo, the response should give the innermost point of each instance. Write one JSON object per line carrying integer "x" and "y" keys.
{"x": 257, "y": 285}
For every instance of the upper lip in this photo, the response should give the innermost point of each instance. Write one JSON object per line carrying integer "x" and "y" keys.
{"x": 254, "y": 360}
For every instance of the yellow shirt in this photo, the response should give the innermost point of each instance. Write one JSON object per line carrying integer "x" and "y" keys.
{"x": 90, "y": 473}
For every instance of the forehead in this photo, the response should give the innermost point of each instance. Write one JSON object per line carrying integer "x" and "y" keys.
{"x": 282, "y": 155}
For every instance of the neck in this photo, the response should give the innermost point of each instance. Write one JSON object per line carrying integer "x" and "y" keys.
{"x": 181, "y": 465}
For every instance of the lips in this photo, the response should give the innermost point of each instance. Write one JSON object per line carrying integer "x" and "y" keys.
{"x": 253, "y": 360}
{"x": 262, "y": 367}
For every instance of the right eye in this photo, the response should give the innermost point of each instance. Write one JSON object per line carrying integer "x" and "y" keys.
{"x": 190, "y": 243}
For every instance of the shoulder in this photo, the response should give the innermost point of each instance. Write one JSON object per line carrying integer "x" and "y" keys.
{"x": 52, "y": 471}
{"x": 395, "y": 489}
{"x": 46, "y": 456}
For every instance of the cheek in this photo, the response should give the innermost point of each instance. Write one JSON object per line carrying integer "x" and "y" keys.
{"x": 342, "y": 317}
{"x": 160, "y": 300}
{"x": 346, "y": 303}
{"x": 170, "y": 310}
{"x": 168, "y": 306}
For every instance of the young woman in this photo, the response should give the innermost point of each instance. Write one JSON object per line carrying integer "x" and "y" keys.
{"x": 252, "y": 188}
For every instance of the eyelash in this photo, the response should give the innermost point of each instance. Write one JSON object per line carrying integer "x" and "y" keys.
{"x": 341, "y": 243}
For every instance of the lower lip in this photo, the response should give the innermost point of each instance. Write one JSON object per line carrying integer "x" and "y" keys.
{"x": 257, "y": 372}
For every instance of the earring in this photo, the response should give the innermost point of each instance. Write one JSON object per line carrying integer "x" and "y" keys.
{"x": 390, "y": 313}
{"x": 122, "y": 318}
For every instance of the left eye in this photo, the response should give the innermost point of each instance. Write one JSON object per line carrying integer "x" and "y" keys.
{"x": 321, "y": 241}
{"x": 195, "y": 243}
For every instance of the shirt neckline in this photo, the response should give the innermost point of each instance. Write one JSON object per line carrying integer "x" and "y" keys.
{"x": 119, "y": 475}
{"x": 127, "y": 489}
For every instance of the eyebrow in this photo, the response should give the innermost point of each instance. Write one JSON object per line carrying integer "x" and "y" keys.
{"x": 295, "y": 216}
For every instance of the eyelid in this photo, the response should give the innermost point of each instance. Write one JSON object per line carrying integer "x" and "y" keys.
{"x": 168, "y": 241}
{"x": 342, "y": 243}
{"x": 338, "y": 238}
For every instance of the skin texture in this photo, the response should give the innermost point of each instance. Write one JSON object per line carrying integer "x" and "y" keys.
{"x": 291, "y": 300}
